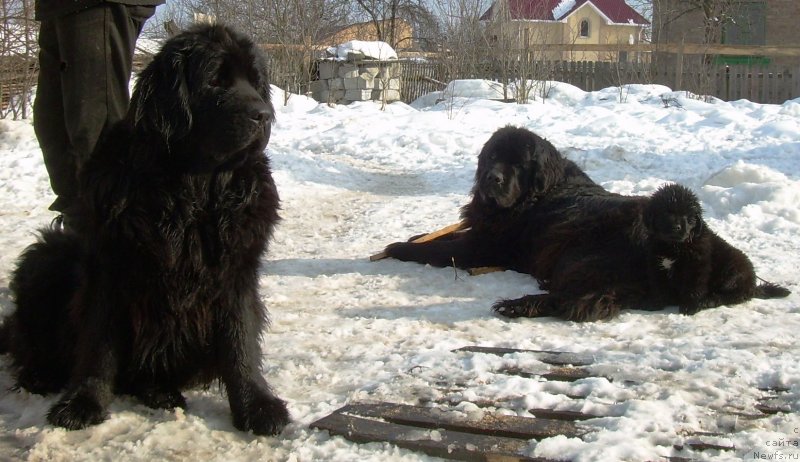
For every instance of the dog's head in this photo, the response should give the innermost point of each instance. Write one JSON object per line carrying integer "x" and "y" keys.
{"x": 205, "y": 94}
{"x": 515, "y": 164}
{"x": 673, "y": 214}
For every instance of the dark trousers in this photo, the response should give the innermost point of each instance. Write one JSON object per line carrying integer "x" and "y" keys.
{"x": 85, "y": 61}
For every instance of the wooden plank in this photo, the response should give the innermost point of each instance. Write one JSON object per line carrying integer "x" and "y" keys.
{"x": 491, "y": 424}
{"x": 776, "y": 389}
{"x": 774, "y": 407}
{"x": 437, "y": 443}
{"x": 484, "y": 270}
{"x": 775, "y": 402}
{"x": 461, "y": 225}
{"x": 556, "y": 358}
{"x": 702, "y": 446}
{"x": 557, "y": 374}
{"x": 552, "y": 414}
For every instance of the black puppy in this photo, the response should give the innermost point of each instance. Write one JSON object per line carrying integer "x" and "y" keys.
{"x": 158, "y": 290}
{"x": 688, "y": 264}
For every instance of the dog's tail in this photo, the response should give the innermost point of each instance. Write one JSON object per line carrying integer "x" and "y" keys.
{"x": 769, "y": 290}
{"x": 37, "y": 333}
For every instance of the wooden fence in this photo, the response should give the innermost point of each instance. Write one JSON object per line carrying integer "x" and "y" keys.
{"x": 759, "y": 84}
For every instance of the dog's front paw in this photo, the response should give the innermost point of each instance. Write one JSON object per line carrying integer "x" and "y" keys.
{"x": 399, "y": 251}
{"x": 264, "y": 414}
{"x": 162, "y": 399}
{"x": 76, "y": 412}
{"x": 689, "y": 309}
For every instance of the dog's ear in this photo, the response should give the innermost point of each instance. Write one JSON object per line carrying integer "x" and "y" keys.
{"x": 263, "y": 86}
{"x": 160, "y": 101}
{"x": 547, "y": 168}
{"x": 648, "y": 218}
{"x": 699, "y": 226}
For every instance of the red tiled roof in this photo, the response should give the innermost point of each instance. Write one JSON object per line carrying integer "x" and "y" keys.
{"x": 616, "y": 10}
{"x": 526, "y": 9}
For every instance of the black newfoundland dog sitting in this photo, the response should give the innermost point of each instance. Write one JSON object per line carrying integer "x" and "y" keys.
{"x": 158, "y": 291}
{"x": 525, "y": 192}
{"x": 688, "y": 264}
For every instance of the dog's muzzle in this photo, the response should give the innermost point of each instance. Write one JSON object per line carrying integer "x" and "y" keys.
{"x": 500, "y": 187}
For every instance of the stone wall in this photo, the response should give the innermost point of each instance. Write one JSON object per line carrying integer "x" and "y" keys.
{"x": 343, "y": 82}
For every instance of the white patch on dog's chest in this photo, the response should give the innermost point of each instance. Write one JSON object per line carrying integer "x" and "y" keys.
{"x": 667, "y": 263}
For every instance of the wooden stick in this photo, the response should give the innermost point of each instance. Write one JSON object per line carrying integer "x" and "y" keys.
{"x": 428, "y": 237}
{"x": 484, "y": 270}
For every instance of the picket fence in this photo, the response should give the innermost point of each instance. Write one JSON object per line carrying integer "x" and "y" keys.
{"x": 768, "y": 84}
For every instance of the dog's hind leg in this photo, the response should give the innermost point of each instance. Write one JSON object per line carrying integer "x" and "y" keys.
{"x": 39, "y": 334}
{"x": 594, "y": 306}
{"x": 767, "y": 290}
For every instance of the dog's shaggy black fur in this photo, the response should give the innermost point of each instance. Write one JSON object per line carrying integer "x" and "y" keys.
{"x": 158, "y": 290}
{"x": 525, "y": 198}
{"x": 688, "y": 264}
{"x": 535, "y": 212}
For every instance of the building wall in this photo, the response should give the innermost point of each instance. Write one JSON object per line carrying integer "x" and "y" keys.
{"x": 671, "y": 25}
{"x": 404, "y": 34}
{"x": 781, "y": 22}
{"x": 557, "y": 32}
{"x": 600, "y": 33}
{"x": 782, "y": 18}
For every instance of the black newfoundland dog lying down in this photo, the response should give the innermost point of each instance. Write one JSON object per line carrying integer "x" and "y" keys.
{"x": 535, "y": 212}
{"x": 524, "y": 188}
{"x": 158, "y": 291}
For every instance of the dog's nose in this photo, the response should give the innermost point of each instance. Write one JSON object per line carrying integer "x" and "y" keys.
{"x": 497, "y": 177}
{"x": 682, "y": 228}
{"x": 261, "y": 114}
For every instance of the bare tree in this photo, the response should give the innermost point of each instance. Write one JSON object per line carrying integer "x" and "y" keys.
{"x": 709, "y": 17}
{"x": 463, "y": 45}
{"x": 692, "y": 21}
{"x": 716, "y": 14}
{"x": 462, "y": 36}
{"x": 385, "y": 16}
{"x": 18, "y": 60}
{"x": 519, "y": 50}
{"x": 294, "y": 32}
{"x": 289, "y": 30}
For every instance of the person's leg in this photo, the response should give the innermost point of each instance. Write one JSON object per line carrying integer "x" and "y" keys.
{"x": 48, "y": 119}
{"x": 94, "y": 53}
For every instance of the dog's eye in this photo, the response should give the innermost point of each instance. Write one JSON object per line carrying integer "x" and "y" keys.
{"x": 221, "y": 78}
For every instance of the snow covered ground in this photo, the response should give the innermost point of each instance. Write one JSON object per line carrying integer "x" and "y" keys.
{"x": 355, "y": 178}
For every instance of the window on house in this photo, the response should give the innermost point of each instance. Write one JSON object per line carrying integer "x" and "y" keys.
{"x": 747, "y": 24}
{"x": 585, "y": 28}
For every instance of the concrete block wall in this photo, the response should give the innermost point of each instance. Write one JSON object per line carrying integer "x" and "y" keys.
{"x": 343, "y": 82}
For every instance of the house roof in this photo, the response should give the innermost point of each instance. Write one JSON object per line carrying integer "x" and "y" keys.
{"x": 617, "y": 11}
